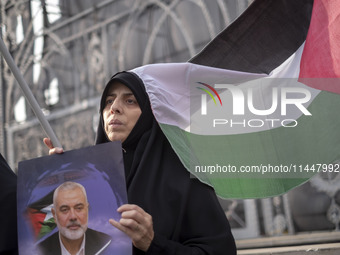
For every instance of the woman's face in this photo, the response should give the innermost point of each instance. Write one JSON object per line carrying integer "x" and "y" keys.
{"x": 121, "y": 112}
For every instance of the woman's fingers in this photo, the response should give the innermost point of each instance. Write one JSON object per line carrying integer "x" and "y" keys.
{"x": 53, "y": 150}
{"x": 48, "y": 143}
{"x": 134, "y": 212}
{"x": 56, "y": 150}
{"x": 137, "y": 224}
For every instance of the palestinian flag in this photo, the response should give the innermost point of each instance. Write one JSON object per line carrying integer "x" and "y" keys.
{"x": 256, "y": 112}
{"x": 40, "y": 216}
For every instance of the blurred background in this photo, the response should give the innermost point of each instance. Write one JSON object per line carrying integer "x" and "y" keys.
{"x": 67, "y": 51}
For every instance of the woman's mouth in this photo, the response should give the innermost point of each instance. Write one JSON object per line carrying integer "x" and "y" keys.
{"x": 115, "y": 123}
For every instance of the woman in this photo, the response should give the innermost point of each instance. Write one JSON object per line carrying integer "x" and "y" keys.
{"x": 168, "y": 212}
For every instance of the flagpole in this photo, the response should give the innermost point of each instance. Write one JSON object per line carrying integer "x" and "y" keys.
{"x": 29, "y": 95}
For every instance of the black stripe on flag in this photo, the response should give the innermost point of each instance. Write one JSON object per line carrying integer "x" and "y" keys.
{"x": 261, "y": 39}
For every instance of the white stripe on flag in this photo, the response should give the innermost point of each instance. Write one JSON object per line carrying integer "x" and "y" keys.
{"x": 172, "y": 90}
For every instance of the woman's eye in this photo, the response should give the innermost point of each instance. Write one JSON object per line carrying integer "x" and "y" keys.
{"x": 109, "y": 101}
{"x": 130, "y": 101}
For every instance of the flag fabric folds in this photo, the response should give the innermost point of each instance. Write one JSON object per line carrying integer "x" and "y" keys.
{"x": 320, "y": 65}
{"x": 255, "y": 113}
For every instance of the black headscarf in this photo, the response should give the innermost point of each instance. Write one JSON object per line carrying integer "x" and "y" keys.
{"x": 143, "y": 125}
{"x": 187, "y": 216}
{"x": 8, "y": 212}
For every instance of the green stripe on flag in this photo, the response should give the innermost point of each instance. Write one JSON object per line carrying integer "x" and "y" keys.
{"x": 312, "y": 144}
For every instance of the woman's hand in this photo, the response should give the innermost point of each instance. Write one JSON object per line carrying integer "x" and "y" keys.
{"x": 137, "y": 224}
{"x": 53, "y": 150}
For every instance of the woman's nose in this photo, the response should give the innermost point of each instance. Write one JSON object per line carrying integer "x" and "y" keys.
{"x": 116, "y": 107}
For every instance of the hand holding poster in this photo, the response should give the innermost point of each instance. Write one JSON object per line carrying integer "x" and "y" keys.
{"x": 65, "y": 202}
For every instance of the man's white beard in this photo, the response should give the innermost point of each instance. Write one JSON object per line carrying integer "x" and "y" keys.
{"x": 72, "y": 234}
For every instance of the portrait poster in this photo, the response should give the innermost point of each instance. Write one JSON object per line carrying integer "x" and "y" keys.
{"x": 100, "y": 170}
